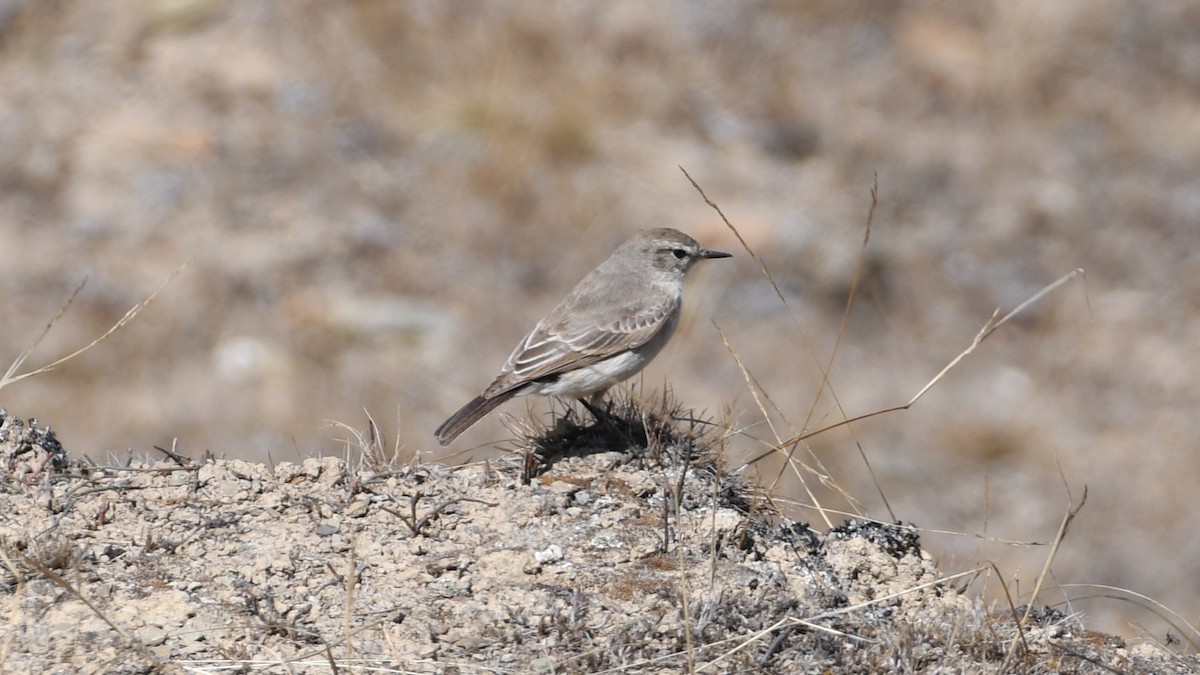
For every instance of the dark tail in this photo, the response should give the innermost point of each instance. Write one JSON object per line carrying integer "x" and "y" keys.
{"x": 466, "y": 416}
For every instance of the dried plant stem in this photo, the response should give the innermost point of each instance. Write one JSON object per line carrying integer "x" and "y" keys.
{"x": 988, "y": 328}
{"x": 10, "y": 376}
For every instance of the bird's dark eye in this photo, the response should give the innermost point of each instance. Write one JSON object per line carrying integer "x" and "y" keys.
{"x": 679, "y": 253}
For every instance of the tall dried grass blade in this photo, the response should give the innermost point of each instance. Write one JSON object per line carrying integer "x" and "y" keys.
{"x": 11, "y": 378}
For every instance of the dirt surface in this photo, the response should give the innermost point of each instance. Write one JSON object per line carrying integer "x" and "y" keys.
{"x": 208, "y": 566}
{"x": 378, "y": 198}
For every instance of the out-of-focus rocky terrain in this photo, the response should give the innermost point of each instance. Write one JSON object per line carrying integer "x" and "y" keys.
{"x": 377, "y": 199}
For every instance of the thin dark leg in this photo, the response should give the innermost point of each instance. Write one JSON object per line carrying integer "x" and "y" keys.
{"x": 597, "y": 412}
{"x": 592, "y": 403}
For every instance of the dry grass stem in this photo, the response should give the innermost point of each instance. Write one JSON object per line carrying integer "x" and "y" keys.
{"x": 130, "y": 639}
{"x": 1188, "y": 630}
{"x": 988, "y": 328}
{"x": 10, "y": 376}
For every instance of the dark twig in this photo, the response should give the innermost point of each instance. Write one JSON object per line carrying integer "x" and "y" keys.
{"x": 417, "y": 524}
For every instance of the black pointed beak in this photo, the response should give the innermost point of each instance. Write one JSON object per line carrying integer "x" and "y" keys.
{"x": 709, "y": 253}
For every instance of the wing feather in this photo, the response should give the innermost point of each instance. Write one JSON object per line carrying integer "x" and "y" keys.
{"x": 566, "y": 345}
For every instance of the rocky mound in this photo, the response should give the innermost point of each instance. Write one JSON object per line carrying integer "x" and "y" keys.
{"x": 572, "y": 559}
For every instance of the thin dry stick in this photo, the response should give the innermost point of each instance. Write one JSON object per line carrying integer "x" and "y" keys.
{"x": 756, "y": 390}
{"x": 913, "y": 528}
{"x": 45, "y": 329}
{"x": 1165, "y": 613}
{"x": 795, "y": 319}
{"x": 11, "y": 378}
{"x": 348, "y": 606}
{"x": 988, "y": 328}
{"x": 1012, "y": 607}
{"x": 326, "y": 648}
{"x": 825, "y": 384}
{"x": 752, "y": 385}
{"x": 18, "y": 593}
{"x": 1072, "y": 511}
{"x": 713, "y": 545}
{"x": 811, "y": 620}
{"x": 761, "y": 265}
{"x": 686, "y": 611}
{"x": 137, "y": 644}
{"x": 991, "y": 326}
{"x": 858, "y": 274}
{"x": 745, "y": 640}
{"x": 376, "y": 442}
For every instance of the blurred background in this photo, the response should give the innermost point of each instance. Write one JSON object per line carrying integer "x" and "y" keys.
{"x": 378, "y": 199}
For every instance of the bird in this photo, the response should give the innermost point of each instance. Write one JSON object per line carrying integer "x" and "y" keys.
{"x": 607, "y": 329}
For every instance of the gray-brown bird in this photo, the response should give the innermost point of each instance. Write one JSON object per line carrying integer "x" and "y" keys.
{"x": 611, "y": 325}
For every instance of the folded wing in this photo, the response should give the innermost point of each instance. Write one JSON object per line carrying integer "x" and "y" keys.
{"x": 563, "y": 346}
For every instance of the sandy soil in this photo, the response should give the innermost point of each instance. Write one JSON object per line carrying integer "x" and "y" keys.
{"x": 651, "y": 560}
{"x": 379, "y": 198}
